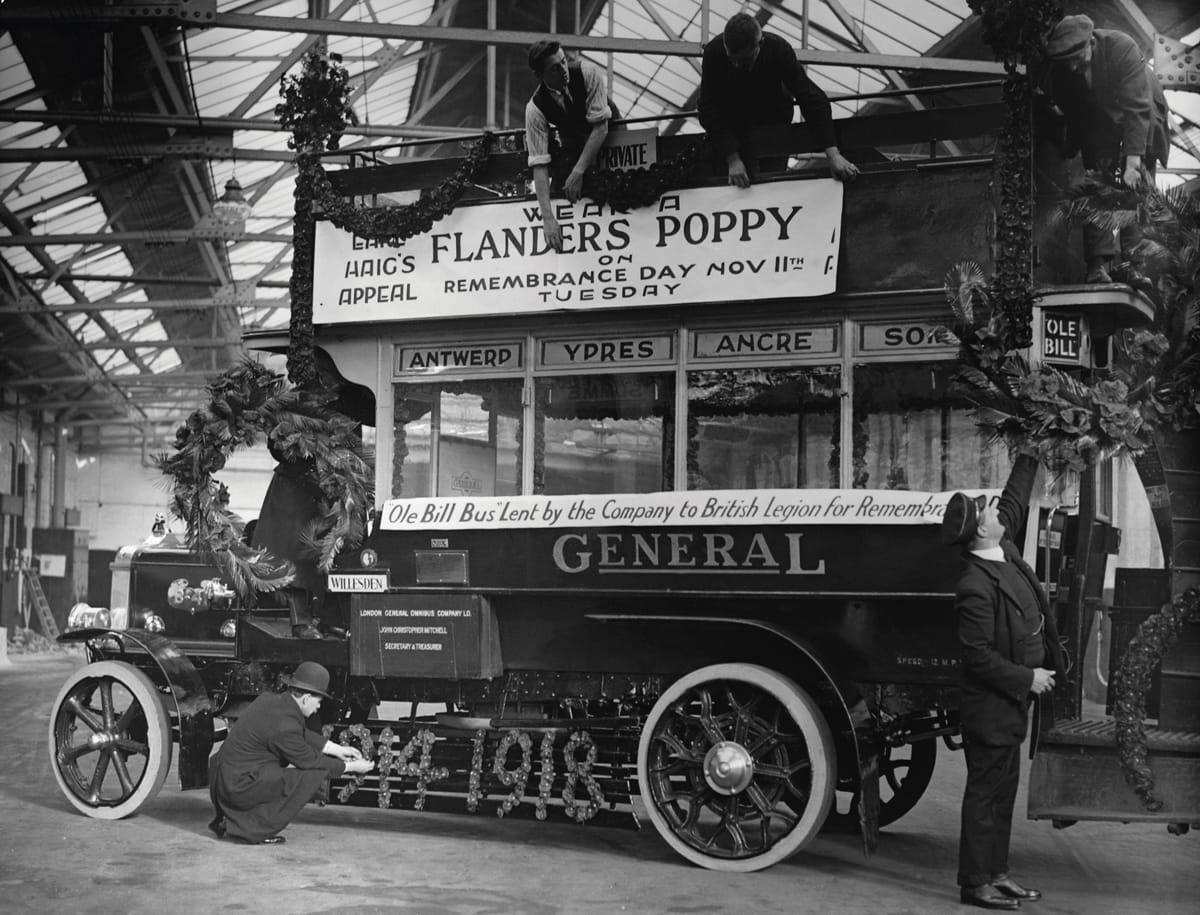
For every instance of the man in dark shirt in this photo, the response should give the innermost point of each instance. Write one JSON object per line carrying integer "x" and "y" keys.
{"x": 750, "y": 78}
{"x": 1010, "y": 651}
{"x": 1117, "y": 116}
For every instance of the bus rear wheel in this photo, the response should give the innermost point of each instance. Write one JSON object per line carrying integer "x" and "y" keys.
{"x": 736, "y": 767}
{"x": 904, "y": 774}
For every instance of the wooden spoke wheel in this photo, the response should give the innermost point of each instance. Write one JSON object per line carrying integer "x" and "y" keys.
{"x": 110, "y": 740}
{"x": 736, "y": 767}
{"x": 904, "y": 774}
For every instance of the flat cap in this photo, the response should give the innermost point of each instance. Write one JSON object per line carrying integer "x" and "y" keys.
{"x": 961, "y": 519}
{"x": 1070, "y": 36}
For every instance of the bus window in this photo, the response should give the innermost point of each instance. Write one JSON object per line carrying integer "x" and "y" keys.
{"x": 912, "y": 432}
{"x": 763, "y": 428}
{"x": 603, "y": 433}
{"x": 470, "y": 431}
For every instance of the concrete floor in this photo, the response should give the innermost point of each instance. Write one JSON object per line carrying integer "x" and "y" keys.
{"x": 364, "y": 860}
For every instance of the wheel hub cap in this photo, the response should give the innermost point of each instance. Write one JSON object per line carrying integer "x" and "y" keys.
{"x": 728, "y": 768}
{"x": 100, "y": 739}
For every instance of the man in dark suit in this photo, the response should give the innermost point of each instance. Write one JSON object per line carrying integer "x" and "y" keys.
{"x": 271, "y": 764}
{"x": 750, "y": 78}
{"x": 1117, "y": 116}
{"x": 1010, "y": 651}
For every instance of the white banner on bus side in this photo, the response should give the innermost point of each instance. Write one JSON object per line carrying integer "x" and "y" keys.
{"x": 657, "y": 509}
{"x": 719, "y": 244}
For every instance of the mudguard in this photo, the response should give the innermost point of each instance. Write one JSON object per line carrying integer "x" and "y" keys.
{"x": 184, "y": 687}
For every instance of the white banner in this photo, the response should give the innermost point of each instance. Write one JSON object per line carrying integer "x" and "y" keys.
{"x": 659, "y": 509}
{"x": 720, "y": 244}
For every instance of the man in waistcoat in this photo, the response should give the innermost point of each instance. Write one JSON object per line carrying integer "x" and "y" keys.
{"x": 566, "y": 122}
{"x": 1117, "y": 116}
{"x": 750, "y": 78}
{"x": 1010, "y": 654}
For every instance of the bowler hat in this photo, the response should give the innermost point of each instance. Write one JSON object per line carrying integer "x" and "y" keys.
{"x": 961, "y": 519}
{"x": 1068, "y": 37}
{"x": 310, "y": 677}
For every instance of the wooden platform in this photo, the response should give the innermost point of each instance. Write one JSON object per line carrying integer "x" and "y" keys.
{"x": 1103, "y": 733}
{"x": 1077, "y": 775}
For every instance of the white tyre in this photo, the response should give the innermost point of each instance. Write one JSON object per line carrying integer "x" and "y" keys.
{"x": 736, "y": 767}
{"x": 110, "y": 740}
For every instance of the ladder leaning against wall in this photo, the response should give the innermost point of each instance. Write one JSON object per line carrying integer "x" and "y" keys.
{"x": 37, "y": 597}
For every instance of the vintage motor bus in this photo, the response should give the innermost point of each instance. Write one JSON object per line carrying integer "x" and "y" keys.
{"x": 656, "y": 519}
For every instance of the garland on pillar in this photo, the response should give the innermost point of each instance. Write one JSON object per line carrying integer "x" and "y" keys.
{"x": 316, "y": 109}
{"x": 1015, "y": 31}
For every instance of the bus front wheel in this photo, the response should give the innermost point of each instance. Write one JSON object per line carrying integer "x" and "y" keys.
{"x": 736, "y": 767}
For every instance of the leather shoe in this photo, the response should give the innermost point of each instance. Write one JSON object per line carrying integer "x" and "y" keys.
{"x": 306, "y": 631}
{"x": 218, "y": 827}
{"x": 269, "y": 840}
{"x": 1098, "y": 275}
{"x": 987, "y": 897}
{"x": 1014, "y": 890}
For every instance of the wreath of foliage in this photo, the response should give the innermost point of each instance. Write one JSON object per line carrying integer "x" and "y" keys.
{"x": 1154, "y": 638}
{"x": 247, "y": 403}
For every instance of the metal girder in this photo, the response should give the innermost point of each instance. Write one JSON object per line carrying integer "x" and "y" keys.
{"x": 134, "y": 280}
{"x": 229, "y": 124}
{"x": 523, "y": 39}
{"x": 157, "y": 236}
{"x": 21, "y": 308}
{"x": 892, "y": 75}
{"x": 166, "y": 379}
{"x": 76, "y": 403}
{"x": 197, "y": 343}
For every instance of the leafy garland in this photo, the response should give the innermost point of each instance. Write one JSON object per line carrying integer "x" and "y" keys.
{"x": 246, "y": 402}
{"x": 641, "y": 187}
{"x": 1070, "y": 423}
{"x": 1155, "y": 637}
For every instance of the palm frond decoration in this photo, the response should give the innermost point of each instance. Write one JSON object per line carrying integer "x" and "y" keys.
{"x": 249, "y": 403}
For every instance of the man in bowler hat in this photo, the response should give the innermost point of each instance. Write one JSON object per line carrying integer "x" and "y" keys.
{"x": 1117, "y": 116}
{"x": 271, "y": 764}
{"x": 1010, "y": 654}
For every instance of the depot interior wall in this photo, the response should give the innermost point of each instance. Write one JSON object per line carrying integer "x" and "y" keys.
{"x": 118, "y": 494}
